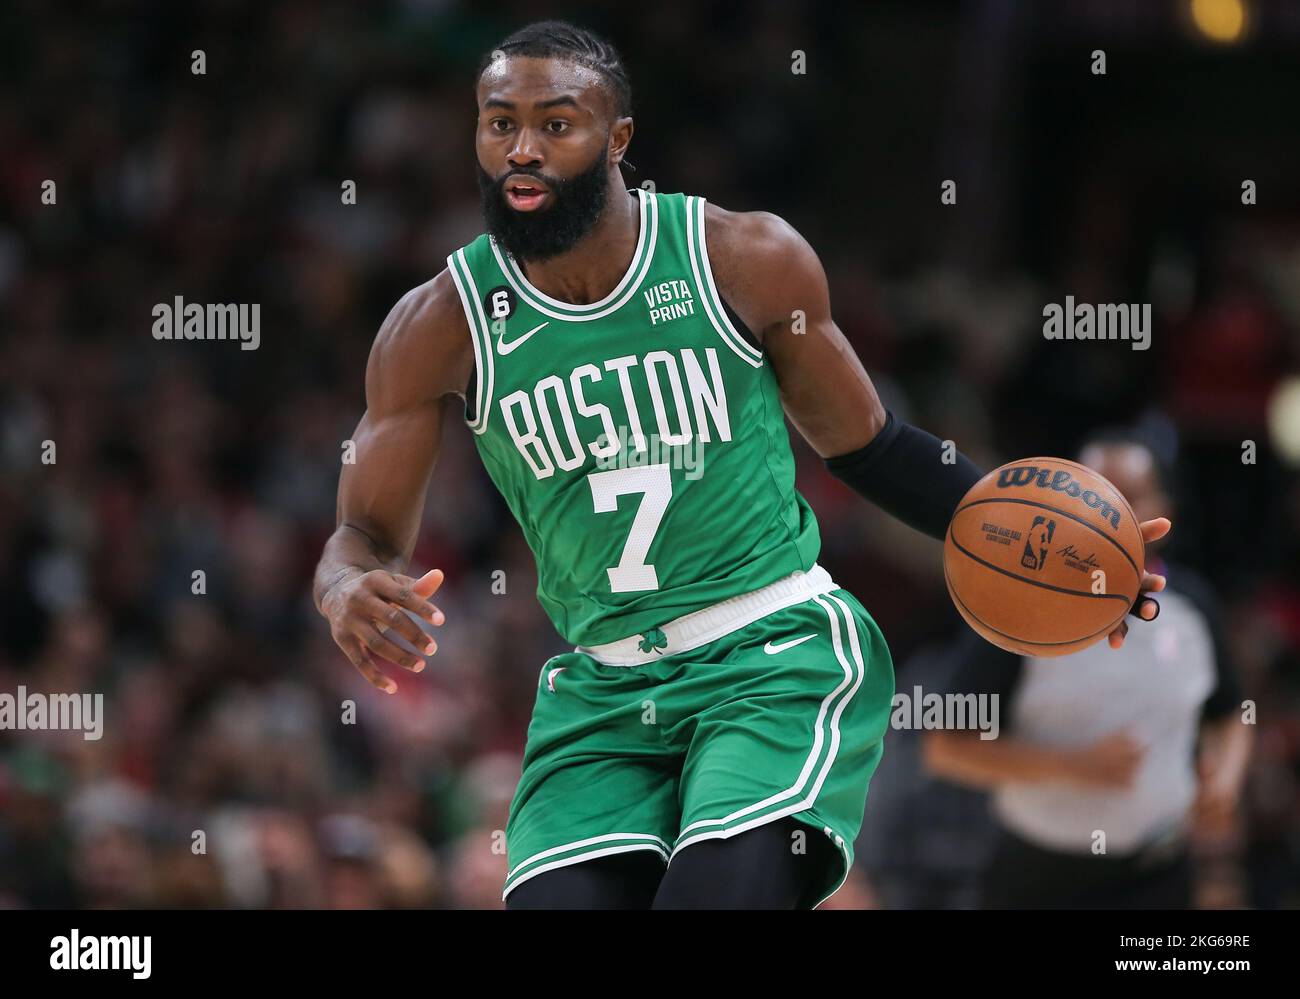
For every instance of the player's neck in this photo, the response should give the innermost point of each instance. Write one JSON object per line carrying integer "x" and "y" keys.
{"x": 593, "y": 268}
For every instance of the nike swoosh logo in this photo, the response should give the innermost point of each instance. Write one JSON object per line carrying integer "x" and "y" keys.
{"x": 504, "y": 348}
{"x": 772, "y": 650}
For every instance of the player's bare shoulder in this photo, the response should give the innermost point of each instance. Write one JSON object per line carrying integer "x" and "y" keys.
{"x": 762, "y": 265}
{"x": 423, "y": 350}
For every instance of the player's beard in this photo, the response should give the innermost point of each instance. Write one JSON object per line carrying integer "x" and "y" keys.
{"x": 576, "y": 205}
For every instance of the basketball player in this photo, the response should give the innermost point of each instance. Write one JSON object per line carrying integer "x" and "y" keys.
{"x": 725, "y": 703}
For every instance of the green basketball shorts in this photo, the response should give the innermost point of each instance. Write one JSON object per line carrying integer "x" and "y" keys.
{"x": 771, "y": 704}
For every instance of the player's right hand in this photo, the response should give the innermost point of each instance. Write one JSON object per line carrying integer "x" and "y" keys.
{"x": 362, "y": 609}
{"x": 1144, "y": 608}
{"x": 1110, "y": 762}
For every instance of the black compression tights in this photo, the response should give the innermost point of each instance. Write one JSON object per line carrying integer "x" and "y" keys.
{"x": 780, "y": 865}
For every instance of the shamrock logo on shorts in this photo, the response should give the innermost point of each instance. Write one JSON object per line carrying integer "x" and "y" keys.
{"x": 654, "y": 639}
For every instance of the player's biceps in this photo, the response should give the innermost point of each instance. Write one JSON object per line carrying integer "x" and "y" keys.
{"x": 830, "y": 404}
{"x": 844, "y": 378}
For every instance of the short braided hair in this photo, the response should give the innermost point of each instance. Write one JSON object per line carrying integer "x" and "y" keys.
{"x": 559, "y": 39}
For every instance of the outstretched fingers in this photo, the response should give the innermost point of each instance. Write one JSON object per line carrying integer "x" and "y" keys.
{"x": 360, "y": 658}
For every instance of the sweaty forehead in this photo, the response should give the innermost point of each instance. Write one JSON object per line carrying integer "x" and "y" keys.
{"x": 524, "y": 80}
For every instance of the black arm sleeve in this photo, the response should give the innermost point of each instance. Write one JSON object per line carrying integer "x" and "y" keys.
{"x": 903, "y": 472}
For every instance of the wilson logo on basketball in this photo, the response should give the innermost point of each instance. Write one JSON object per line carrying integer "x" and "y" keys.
{"x": 1062, "y": 482}
{"x": 1040, "y": 536}
{"x": 1033, "y": 571}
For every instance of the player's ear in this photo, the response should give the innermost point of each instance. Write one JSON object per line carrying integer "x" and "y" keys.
{"x": 620, "y": 137}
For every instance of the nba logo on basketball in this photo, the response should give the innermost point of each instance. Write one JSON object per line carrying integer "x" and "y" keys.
{"x": 1021, "y": 600}
{"x": 1040, "y": 536}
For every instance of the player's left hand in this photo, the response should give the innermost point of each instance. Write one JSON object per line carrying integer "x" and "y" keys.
{"x": 1144, "y": 608}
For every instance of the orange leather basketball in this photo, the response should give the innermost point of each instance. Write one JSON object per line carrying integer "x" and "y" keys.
{"x": 1043, "y": 557}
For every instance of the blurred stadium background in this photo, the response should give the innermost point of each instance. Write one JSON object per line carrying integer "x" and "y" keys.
{"x": 223, "y": 709}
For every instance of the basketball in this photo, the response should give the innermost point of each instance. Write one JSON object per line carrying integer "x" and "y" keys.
{"x": 1043, "y": 557}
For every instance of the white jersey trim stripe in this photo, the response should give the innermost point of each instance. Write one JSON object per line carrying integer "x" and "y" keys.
{"x": 653, "y": 842}
{"x": 564, "y": 847}
{"x": 713, "y": 288}
{"x": 475, "y": 338}
{"x": 578, "y": 858}
{"x": 616, "y": 299}
{"x": 469, "y": 300}
{"x": 705, "y": 286}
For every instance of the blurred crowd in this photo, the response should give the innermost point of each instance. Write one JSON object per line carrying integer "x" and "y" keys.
{"x": 244, "y": 763}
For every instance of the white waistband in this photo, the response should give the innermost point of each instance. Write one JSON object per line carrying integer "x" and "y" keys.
{"x": 710, "y": 623}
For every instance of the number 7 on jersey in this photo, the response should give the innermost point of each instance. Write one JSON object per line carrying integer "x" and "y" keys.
{"x": 656, "y": 482}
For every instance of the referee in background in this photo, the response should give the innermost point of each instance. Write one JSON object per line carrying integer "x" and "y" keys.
{"x": 1106, "y": 757}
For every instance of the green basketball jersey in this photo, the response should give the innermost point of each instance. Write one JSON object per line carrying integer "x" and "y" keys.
{"x": 638, "y": 440}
